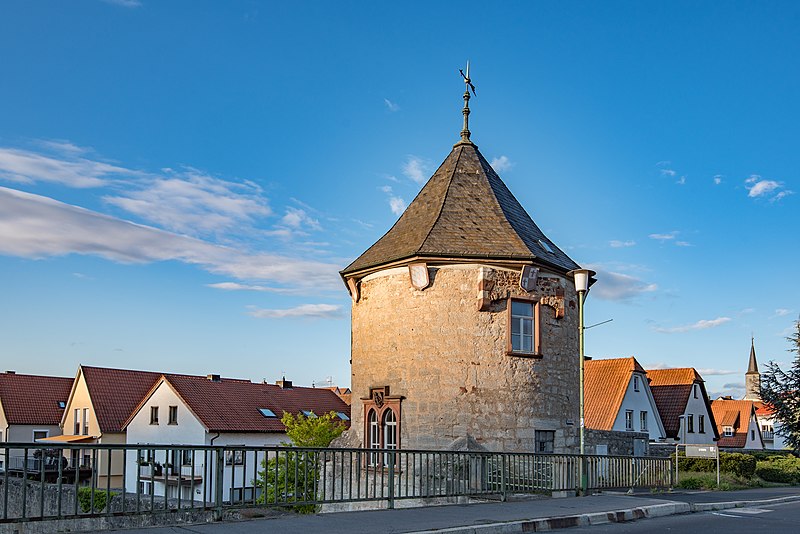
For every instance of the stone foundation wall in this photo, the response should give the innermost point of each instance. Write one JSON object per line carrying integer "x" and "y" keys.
{"x": 448, "y": 358}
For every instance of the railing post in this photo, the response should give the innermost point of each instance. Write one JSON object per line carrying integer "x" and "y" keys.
{"x": 630, "y": 472}
{"x": 502, "y": 477}
{"x": 391, "y": 480}
{"x": 220, "y": 475}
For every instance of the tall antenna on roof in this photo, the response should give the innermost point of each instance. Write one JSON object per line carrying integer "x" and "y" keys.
{"x": 467, "y": 86}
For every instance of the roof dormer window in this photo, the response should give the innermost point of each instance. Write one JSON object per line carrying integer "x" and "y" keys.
{"x": 728, "y": 431}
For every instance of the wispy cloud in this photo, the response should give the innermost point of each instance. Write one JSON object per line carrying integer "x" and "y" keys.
{"x": 192, "y": 202}
{"x": 415, "y": 169}
{"x": 621, "y": 244}
{"x": 664, "y": 237}
{"x": 781, "y": 312}
{"x": 716, "y": 372}
{"x": 314, "y": 311}
{"x": 668, "y": 172}
{"x": 391, "y": 106}
{"x": 235, "y": 286}
{"x": 702, "y": 324}
{"x": 34, "y": 226}
{"x": 618, "y": 286}
{"x": 396, "y": 203}
{"x": 124, "y": 3}
{"x": 683, "y": 244}
{"x": 757, "y": 187}
{"x": 65, "y": 168}
{"x": 297, "y": 219}
{"x": 501, "y": 164}
{"x": 718, "y": 179}
{"x": 681, "y": 180}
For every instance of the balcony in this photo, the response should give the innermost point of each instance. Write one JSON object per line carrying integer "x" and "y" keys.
{"x": 171, "y": 475}
{"x": 767, "y": 435}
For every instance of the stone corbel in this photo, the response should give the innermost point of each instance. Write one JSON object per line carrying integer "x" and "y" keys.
{"x": 485, "y": 285}
{"x": 555, "y": 302}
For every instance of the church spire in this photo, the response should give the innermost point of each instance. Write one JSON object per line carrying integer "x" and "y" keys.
{"x": 467, "y": 86}
{"x": 753, "y": 366}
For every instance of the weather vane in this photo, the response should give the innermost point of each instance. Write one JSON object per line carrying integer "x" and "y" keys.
{"x": 467, "y": 86}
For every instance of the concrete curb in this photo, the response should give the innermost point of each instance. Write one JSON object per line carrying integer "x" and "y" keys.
{"x": 546, "y": 524}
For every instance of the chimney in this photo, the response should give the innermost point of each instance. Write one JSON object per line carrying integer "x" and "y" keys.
{"x": 283, "y": 383}
{"x": 213, "y": 378}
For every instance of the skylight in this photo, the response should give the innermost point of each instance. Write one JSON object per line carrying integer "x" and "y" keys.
{"x": 62, "y": 404}
{"x": 266, "y": 412}
{"x": 545, "y": 246}
{"x": 308, "y": 413}
{"x": 343, "y": 416}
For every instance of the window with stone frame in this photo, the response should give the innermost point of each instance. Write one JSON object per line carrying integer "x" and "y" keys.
{"x": 523, "y": 329}
{"x": 545, "y": 440}
{"x": 382, "y": 420}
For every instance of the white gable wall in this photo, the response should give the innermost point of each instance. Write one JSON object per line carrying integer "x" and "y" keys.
{"x": 696, "y": 408}
{"x": 639, "y": 401}
{"x": 753, "y": 434}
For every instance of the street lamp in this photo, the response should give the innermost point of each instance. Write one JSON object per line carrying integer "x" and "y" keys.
{"x": 582, "y": 277}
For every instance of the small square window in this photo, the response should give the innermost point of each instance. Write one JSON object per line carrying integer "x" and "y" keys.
{"x": 728, "y": 430}
{"x": 154, "y": 415}
{"x": 62, "y": 404}
{"x": 545, "y": 440}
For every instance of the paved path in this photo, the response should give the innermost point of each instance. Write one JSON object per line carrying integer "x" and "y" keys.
{"x": 495, "y": 517}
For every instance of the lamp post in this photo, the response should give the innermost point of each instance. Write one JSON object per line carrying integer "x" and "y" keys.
{"x": 581, "y": 277}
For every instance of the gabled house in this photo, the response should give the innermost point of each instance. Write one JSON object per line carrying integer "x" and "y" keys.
{"x": 618, "y": 398}
{"x": 683, "y": 405}
{"x": 737, "y": 424}
{"x": 31, "y": 407}
{"x": 192, "y": 410}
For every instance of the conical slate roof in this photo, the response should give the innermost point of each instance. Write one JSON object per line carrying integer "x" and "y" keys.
{"x": 464, "y": 211}
{"x": 752, "y": 367}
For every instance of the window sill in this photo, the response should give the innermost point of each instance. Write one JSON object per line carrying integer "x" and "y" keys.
{"x": 532, "y": 355}
{"x": 173, "y": 424}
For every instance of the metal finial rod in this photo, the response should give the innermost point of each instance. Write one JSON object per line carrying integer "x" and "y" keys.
{"x": 467, "y": 86}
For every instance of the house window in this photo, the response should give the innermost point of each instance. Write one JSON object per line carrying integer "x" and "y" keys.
{"x": 635, "y": 383}
{"x": 77, "y": 426}
{"x": 40, "y": 434}
{"x": 643, "y": 421}
{"x": 628, "y": 419}
{"x": 753, "y": 435}
{"x": 523, "y": 334}
{"x": 701, "y": 423}
{"x": 235, "y": 457}
{"x": 389, "y": 433}
{"x": 728, "y": 431}
{"x": 86, "y": 421}
{"x": 374, "y": 436}
{"x": 153, "y": 415}
{"x": 690, "y": 423}
{"x": 173, "y": 415}
{"x": 186, "y": 456}
{"x": 545, "y": 440}
{"x": 694, "y": 391}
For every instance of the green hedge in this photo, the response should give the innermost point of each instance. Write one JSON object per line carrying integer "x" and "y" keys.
{"x": 742, "y": 465}
{"x": 101, "y": 497}
{"x": 785, "y": 469}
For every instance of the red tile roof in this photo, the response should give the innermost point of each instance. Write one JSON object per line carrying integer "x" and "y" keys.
{"x": 115, "y": 393}
{"x": 233, "y": 405}
{"x": 764, "y": 410}
{"x": 671, "y": 389}
{"x": 33, "y": 399}
{"x": 734, "y": 413}
{"x": 605, "y": 382}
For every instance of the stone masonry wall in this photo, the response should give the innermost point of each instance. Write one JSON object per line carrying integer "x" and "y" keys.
{"x": 448, "y": 359}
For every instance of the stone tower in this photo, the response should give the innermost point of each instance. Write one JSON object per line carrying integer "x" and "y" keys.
{"x": 752, "y": 378}
{"x": 464, "y": 322}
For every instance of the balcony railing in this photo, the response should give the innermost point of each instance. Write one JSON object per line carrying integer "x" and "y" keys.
{"x": 157, "y": 479}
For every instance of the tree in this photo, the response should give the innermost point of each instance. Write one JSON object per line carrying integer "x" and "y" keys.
{"x": 292, "y": 475}
{"x": 780, "y": 390}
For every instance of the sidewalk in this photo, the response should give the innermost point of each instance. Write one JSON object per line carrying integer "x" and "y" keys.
{"x": 496, "y": 517}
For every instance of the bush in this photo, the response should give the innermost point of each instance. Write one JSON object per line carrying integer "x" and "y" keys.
{"x": 735, "y": 463}
{"x": 101, "y": 497}
{"x": 784, "y": 469}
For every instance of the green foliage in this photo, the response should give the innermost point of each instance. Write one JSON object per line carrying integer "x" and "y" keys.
{"x": 708, "y": 481}
{"x": 779, "y": 390}
{"x": 101, "y": 497}
{"x": 292, "y": 476}
{"x": 741, "y": 465}
{"x": 784, "y": 469}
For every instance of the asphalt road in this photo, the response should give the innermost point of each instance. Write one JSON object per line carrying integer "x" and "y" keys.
{"x": 775, "y": 519}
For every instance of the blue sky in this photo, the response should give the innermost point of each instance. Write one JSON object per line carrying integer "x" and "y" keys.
{"x": 181, "y": 181}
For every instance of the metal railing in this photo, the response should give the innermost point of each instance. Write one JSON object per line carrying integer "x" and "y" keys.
{"x": 40, "y": 482}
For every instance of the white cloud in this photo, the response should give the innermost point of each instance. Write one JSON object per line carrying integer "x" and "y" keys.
{"x": 397, "y": 205}
{"x": 34, "y": 226}
{"x": 668, "y": 172}
{"x": 501, "y": 164}
{"x": 683, "y": 244}
{"x": 297, "y": 218}
{"x": 317, "y": 311}
{"x": 681, "y": 180}
{"x": 391, "y": 106}
{"x": 717, "y": 179}
{"x": 124, "y": 3}
{"x": 235, "y": 286}
{"x": 415, "y": 169}
{"x": 782, "y": 312}
{"x": 758, "y": 187}
{"x": 716, "y": 372}
{"x": 617, "y": 286}
{"x": 621, "y": 244}
{"x": 23, "y": 166}
{"x": 664, "y": 237}
{"x": 192, "y": 202}
{"x": 702, "y": 324}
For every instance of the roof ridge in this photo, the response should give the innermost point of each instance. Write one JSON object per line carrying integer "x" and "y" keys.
{"x": 444, "y": 197}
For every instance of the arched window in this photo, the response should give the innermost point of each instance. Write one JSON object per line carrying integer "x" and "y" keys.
{"x": 374, "y": 436}
{"x": 389, "y": 433}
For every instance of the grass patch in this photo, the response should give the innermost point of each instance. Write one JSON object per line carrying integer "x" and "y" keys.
{"x": 695, "y": 480}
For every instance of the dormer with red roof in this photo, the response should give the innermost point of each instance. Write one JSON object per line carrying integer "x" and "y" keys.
{"x": 737, "y": 424}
